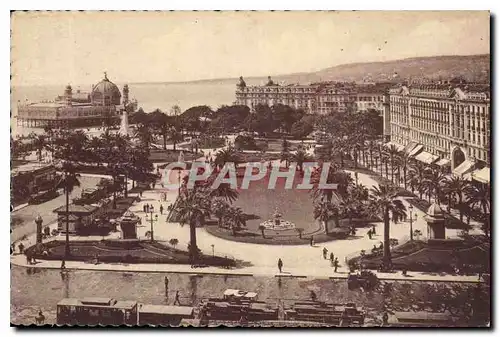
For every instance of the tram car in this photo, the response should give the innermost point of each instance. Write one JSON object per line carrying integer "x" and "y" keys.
{"x": 164, "y": 315}
{"x": 421, "y": 319}
{"x": 328, "y": 313}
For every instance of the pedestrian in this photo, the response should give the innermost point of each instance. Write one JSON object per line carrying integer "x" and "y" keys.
{"x": 373, "y": 230}
{"x": 166, "y": 286}
{"x": 336, "y": 264}
{"x": 312, "y": 241}
{"x": 325, "y": 252}
{"x": 140, "y": 193}
{"x": 177, "y": 297}
{"x": 28, "y": 259}
{"x": 146, "y": 208}
{"x": 21, "y": 248}
{"x": 370, "y": 234}
{"x": 280, "y": 265}
{"x": 161, "y": 209}
{"x": 63, "y": 265}
{"x": 331, "y": 258}
{"x": 313, "y": 295}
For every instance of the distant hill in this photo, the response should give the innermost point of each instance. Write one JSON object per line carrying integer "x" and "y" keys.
{"x": 474, "y": 68}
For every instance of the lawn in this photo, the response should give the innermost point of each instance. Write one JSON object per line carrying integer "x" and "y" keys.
{"x": 170, "y": 156}
{"x": 259, "y": 203}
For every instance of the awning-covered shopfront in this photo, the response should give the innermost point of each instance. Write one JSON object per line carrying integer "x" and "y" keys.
{"x": 416, "y": 150}
{"x": 442, "y": 162}
{"x": 482, "y": 175}
{"x": 408, "y": 148}
{"x": 466, "y": 167}
{"x": 426, "y": 157}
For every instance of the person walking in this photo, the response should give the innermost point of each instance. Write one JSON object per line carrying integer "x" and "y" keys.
{"x": 280, "y": 265}
{"x": 312, "y": 241}
{"x": 331, "y": 258}
{"x": 21, "y": 248}
{"x": 177, "y": 298}
{"x": 161, "y": 209}
{"x": 336, "y": 264}
{"x": 146, "y": 208}
{"x": 373, "y": 230}
{"x": 325, "y": 252}
{"x": 370, "y": 234}
{"x": 63, "y": 265}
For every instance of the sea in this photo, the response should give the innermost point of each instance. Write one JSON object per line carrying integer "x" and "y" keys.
{"x": 150, "y": 96}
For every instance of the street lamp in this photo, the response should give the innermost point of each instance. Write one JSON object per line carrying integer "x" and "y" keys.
{"x": 411, "y": 223}
{"x": 38, "y": 221}
{"x": 152, "y": 220}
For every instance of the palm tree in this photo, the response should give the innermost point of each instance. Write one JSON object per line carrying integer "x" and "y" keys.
{"x": 224, "y": 156}
{"x": 236, "y": 219}
{"x": 417, "y": 173}
{"x": 175, "y": 136}
{"x": 192, "y": 207}
{"x": 404, "y": 163}
{"x": 434, "y": 181}
{"x": 455, "y": 186}
{"x": 479, "y": 195}
{"x": 392, "y": 153}
{"x": 285, "y": 152}
{"x": 383, "y": 200}
{"x": 300, "y": 157}
{"x": 68, "y": 182}
{"x": 39, "y": 142}
{"x": 324, "y": 211}
{"x": 219, "y": 209}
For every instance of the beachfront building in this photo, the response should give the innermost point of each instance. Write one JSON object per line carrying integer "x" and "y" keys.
{"x": 316, "y": 98}
{"x": 103, "y": 104}
{"x": 443, "y": 123}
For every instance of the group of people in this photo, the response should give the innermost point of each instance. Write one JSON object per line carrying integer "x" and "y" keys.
{"x": 334, "y": 261}
{"x": 371, "y": 232}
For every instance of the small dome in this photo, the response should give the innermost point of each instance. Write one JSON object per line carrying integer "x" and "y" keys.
{"x": 435, "y": 210}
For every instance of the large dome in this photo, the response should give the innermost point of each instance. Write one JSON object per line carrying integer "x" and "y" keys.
{"x": 106, "y": 93}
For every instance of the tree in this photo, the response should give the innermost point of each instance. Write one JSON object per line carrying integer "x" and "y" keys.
{"x": 418, "y": 173}
{"x": 392, "y": 153}
{"x": 383, "y": 200}
{"x": 39, "y": 142}
{"x": 173, "y": 242}
{"x": 404, "y": 162}
{"x": 455, "y": 186}
{"x": 174, "y": 136}
{"x": 300, "y": 231}
{"x": 235, "y": 219}
{"x": 192, "y": 207}
{"x": 223, "y": 191}
{"x": 324, "y": 211}
{"x": 300, "y": 157}
{"x": 224, "y": 156}
{"x": 68, "y": 182}
{"x": 285, "y": 152}
{"x": 302, "y": 128}
{"x": 479, "y": 195}
{"x": 219, "y": 209}
{"x": 434, "y": 182}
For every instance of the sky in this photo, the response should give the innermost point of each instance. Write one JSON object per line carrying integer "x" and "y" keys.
{"x": 57, "y": 48}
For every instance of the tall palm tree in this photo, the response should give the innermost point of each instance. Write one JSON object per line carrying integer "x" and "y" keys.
{"x": 455, "y": 186}
{"x": 383, "y": 201}
{"x": 324, "y": 211}
{"x": 479, "y": 195}
{"x": 417, "y": 173}
{"x": 193, "y": 205}
{"x": 404, "y": 163}
{"x": 434, "y": 181}
{"x": 225, "y": 192}
{"x": 219, "y": 209}
{"x": 300, "y": 157}
{"x": 392, "y": 153}
{"x": 68, "y": 182}
{"x": 39, "y": 142}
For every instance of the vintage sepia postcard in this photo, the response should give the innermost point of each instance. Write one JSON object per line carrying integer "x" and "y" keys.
{"x": 257, "y": 169}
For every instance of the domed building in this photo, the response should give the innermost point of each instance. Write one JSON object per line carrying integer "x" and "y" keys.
{"x": 105, "y": 93}
{"x": 103, "y": 105}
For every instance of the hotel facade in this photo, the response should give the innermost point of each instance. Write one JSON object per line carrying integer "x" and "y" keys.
{"x": 317, "y": 98}
{"x": 445, "y": 124}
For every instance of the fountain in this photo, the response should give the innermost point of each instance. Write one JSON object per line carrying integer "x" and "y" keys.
{"x": 277, "y": 223}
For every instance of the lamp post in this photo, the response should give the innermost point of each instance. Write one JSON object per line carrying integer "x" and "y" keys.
{"x": 213, "y": 250}
{"x": 411, "y": 223}
{"x": 38, "y": 221}
{"x": 152, "y": 220}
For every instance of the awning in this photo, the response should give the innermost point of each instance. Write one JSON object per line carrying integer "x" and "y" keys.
{"x": 416, "y": 150}
{"x": 410, "y": 146}
{"x": 399, "y": 147}
{"x": 442, "y": 162}
{"x": 482, "y": 175}
{"x": 426, "y": 157}
{"x": 463, "y": 168}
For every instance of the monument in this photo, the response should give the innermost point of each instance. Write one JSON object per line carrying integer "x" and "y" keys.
{"x": 124, "y": 128}
{"x": 436, "y": 222}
